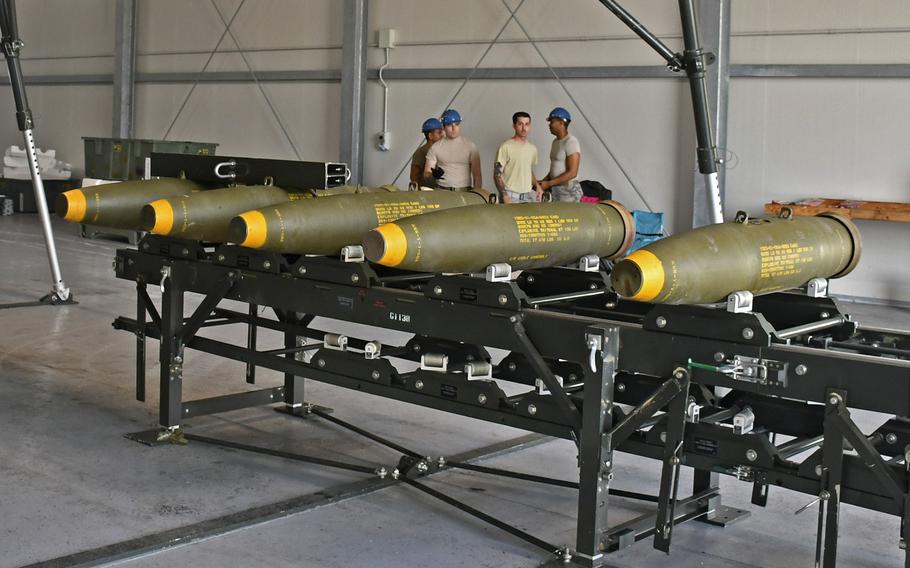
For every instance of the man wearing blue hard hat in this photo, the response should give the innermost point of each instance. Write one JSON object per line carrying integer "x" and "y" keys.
{"x": 432, "y": 133}
{"x": 454, "y": 161}
{"x": 565, "y": 159}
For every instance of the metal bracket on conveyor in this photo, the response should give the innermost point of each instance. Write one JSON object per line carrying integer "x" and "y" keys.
{"x": 245, "y": 258}
{"x": 352, "y": 253}
{"x": 739, "y": 302}
{"x": 372, "y": 350}
{"x": 817, "y": 288}
{"x": 170, "y": 247}
{"x": 335, "y": 342}
{"x": 434, "y": 362}
{"x": 479, "y": 370}
{"x": 498, "y": 272}
{"x": 344, "y": 271}
{"x": 589, "y": 263}
{"x": 743, "y": 421}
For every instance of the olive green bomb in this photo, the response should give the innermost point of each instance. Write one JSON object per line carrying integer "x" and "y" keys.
{"x": 325, "y": 225}
{"x": 760, "y": 256}
{"x": 525, "y": 235}
{"x": 118, "y": 205}
{"x": 206, "y": 216}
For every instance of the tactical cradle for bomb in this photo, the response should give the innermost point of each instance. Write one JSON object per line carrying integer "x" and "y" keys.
{"x": 610, "y": 375}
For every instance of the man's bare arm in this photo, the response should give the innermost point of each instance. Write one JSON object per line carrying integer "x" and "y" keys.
{"x": 497, "y": 177}
{"x": 573, "y": 162}
{"x": 475, "y": 172}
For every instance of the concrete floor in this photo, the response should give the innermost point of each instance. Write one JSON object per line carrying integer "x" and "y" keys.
{"x": 70, "y": 481}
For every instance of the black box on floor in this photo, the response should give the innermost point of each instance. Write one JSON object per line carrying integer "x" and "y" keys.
{"x": 23, "y": 196}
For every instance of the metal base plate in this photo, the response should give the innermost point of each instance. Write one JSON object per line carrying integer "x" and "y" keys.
{"x": 47, "y": 300}
{"x": 157, "y": 437}
{"x": 305, "y": 410}
{"x": 724, "y": 516}
{"x": 575, "y": 561}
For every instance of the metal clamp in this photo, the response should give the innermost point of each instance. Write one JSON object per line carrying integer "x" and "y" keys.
{"x": 693, "y": 411}
{"x": 352, "y": 253}
{"x": 232, "y": 175}
{"x": 335, "y": 341}
{"x": 435, "y": 362}
{"x": 595, "y": 343}
{"x": 589, "y": 263}
{"x": 165, "y": 276}
{"x": 754, "y": 370}
{"x": 498, "y": 272}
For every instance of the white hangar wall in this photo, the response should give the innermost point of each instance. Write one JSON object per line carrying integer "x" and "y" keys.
{"x": 788, "y": 138}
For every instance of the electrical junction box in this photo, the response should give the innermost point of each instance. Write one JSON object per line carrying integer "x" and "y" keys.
{"x": 387, "y": 38}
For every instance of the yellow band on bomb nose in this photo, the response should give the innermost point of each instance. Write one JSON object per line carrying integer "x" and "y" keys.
{"x": 395, "y": 244}
{"x": 652, "y": 275}
{"x": 256, "y": 229}
{"x": 75, "y": 205}
{"x": 164, "y": 217}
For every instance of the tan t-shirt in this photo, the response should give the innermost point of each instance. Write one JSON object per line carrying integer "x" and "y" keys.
{"x": 559, "y": 151}
{"x": 517, "y": 160}
{"x": 454, "y": 157}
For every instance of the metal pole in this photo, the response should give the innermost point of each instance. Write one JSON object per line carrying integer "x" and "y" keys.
{"x": 694, "y": 65}
{"x": 642, "y": 32}
{"x": 715, "y": 25}
{"x": 353, "y": 86}
{"x": 11, "y": 47}
{"x": 124, "y": 69}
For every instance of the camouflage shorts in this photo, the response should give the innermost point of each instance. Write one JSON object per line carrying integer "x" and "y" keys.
{"x": 568, "y": 192}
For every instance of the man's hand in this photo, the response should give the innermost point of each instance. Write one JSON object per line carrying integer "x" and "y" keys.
{"x": 543, "y": 184}
{"x": 539, "y": 190}
{"x": 437, "y": 172}
{"x": 504, "y": 198}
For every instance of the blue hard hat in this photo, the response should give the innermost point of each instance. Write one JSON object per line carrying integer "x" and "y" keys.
{"x": 430, "y": 125}
{"x": 451, "y": 116}
{"x": 560, "y": 113}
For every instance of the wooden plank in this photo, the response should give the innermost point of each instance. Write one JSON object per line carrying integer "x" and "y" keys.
{"x": 868, "y": 210}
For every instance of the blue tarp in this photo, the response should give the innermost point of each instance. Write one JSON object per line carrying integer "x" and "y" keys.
{"x": 648, "y": 228}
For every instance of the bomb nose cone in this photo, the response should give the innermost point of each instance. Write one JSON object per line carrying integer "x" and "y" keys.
{"x": 70, "y": 205}
{"x": 237, "y": 232}
{"x": 148, "y": 217}
{"x": 626, "y": 278}
{"x": 639, "y": 276}
{"x": 249, "y": 229}
{"x": 158, "y": 217}
{"x": 386, "y": 245}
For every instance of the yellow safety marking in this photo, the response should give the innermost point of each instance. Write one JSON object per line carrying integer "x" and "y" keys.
{"x": 652, "y": 275}
{"x": 256, "y": 229}
{"x": 395, "y": 244}
{"x": 75, "y": 205}
{"x": 164, "y": 217}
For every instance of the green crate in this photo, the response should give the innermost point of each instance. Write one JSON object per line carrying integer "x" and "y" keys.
{"x": 124, "y": 158}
